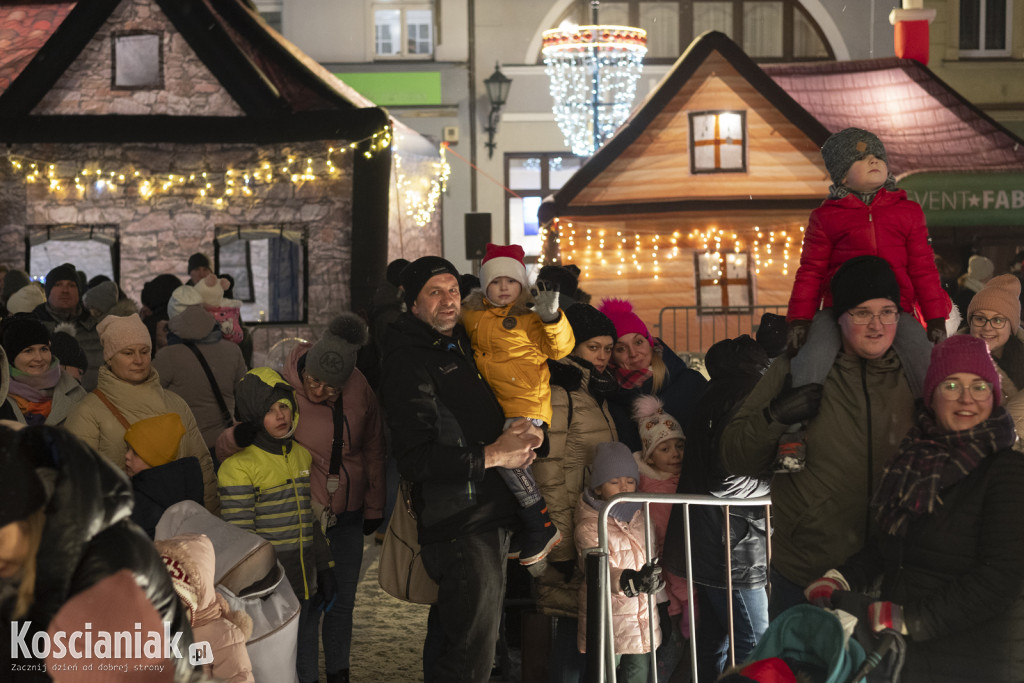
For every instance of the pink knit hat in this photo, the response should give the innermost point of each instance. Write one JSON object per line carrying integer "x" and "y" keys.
{"x": 503, "y": 260}
{"x": 625, "y": 320}
{"x": 117, "y": 332}
{"x": 961, "y": 353}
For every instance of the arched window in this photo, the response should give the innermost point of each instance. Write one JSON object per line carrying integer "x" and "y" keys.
{"x": 767, "y": 30}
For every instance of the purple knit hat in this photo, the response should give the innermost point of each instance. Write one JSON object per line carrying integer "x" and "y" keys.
{"x": 961, "y": 353}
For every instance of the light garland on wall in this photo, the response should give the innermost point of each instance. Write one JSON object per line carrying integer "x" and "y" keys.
{"x": 593, "y": 72}
{"x": 604, "y": 252}
{"x": 419, "y": 193}
{"x": 218, "y": 187}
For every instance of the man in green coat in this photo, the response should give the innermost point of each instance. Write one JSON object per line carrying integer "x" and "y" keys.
{"x": 855, "y": 422}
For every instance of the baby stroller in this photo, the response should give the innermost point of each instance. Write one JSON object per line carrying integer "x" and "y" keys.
{"x": 250, "y": 578}
{"x": 809, "y": 643}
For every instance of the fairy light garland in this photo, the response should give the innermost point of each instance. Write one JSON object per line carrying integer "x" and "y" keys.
{"x": 606, "y": 252}
{"x": 420, "y": 193}
{"x": 218, "y": 187}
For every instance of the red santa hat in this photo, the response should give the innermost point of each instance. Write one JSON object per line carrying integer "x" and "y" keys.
{"x": 505, "y": 261}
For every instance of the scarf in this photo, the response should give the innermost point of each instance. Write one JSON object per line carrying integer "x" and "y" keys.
{"x": 929, "y": 461}
{"x": 602, "y": 384}
{"x": 631, "y": 379}
{"x": 623, "y": 512}
{"x": 34, "y": 393}
{"x": 840, "y": 191}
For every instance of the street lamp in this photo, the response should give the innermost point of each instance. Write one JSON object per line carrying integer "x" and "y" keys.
{"x": 497, "y": 92}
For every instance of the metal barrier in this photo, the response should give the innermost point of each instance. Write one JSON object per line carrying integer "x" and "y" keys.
{"x": 687, "y": 329}
{"x": 600, "y": 632}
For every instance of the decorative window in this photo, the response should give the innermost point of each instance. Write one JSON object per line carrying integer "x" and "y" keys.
{"x": 94, "y": 249}
{"x": 403, "y": 31}
{"x": 723, "y": 282}
{"x": 532, "y": 177}
{"x": 985, "y": 27}
{"x": 718, "y": 142}
{"x": 269, "y": 264}
{"x": 768, "y": 30}
{"x": 138, "y": 61}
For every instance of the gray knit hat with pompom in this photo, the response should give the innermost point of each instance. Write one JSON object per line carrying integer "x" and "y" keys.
{"x": 847, "y": 146}
{"x": 333, "y": 357}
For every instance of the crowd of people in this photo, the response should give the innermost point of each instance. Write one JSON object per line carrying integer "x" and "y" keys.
{"x": 881, "y": 419}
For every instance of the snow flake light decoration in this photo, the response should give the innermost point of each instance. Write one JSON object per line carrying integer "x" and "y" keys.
{"x": 593, "y": 72}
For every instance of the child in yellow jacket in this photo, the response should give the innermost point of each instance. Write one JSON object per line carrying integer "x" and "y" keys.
{"x": 511, "y": 347}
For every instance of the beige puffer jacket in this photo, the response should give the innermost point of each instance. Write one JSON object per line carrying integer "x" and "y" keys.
{"x": 92, "y": 422}
{"x": 630, "y": 616}
{"x": 191, "y": 562}
{"x": 562, "y": 473}
{"x": 1013, "y": 397}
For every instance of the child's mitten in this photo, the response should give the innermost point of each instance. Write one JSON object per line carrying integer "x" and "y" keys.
{"x": 545, "y": 297}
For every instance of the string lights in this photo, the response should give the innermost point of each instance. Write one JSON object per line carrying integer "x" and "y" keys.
{"x": 593, "y": 72}
{"x": 420, "y": 189}
{"x": 606, "y": 252}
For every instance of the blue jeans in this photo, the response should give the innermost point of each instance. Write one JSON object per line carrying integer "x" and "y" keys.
{"x": 307, "y": 663}
{"x": 346, "y": 541}
{"x": 785, "y": 594}
{"x": 750, "y": 620}
{"x": 470, "y": 574}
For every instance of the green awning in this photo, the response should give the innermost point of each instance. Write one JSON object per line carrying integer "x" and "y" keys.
{"x": 397, "y": 87}
{"x": 968, "y": 199}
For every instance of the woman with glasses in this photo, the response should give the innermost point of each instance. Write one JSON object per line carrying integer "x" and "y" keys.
{"x": 994, "y": 316}
{"x": 950, "y": 547}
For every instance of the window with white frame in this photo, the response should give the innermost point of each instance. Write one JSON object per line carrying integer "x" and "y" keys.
{"x": 403, "y": 31}
{"x": 723, "y": 281}
{"x": 985, "y": 28}
{"x": 532, "y": 177}
{"x": 718, "y": 142}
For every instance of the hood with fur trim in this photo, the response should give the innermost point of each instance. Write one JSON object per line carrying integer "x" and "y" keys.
{"x": 477, "y": 301}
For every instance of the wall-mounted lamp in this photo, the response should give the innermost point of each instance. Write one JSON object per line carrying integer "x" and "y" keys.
{"x": 497, "y": 92}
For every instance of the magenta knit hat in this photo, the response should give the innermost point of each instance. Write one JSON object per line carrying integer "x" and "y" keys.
{"x": 961, "y": 353}
{"x": 620, "y": 312}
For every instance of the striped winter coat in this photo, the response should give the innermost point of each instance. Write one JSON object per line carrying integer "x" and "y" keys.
{"x": 265, "y": 487}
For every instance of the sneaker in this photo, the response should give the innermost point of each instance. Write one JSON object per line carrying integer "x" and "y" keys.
{"x": 536, "y": 545}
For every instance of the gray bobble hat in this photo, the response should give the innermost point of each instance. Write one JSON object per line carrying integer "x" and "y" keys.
{"x": 847, "y": 146}
{"x": 333, "y": 357}
{"x": 102, "y": 297}
{"x": 612, "y": 459}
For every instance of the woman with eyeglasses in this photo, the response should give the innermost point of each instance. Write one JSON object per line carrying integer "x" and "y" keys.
{"x": 994, "y": 315}
{"x": 950, "y": 546}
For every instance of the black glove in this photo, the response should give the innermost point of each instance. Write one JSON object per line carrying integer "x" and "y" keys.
{"x": 936, "y": 330}
{"x": 647, "y": 580}
{"x": 326, "y": 590}
{"x": 371, "y": 525}
{"x": 794, "y": 404}
{"x": 796, "y": 335}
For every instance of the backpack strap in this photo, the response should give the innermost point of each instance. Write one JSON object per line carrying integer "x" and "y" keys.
{"x": 225, "y": 414}
{"x": 113, "y": 409}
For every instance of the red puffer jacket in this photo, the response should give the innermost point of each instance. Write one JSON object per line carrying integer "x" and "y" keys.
{"x": 892, "y": 227}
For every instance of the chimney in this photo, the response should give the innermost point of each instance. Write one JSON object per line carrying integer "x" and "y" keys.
{"x": 910, "y": 34}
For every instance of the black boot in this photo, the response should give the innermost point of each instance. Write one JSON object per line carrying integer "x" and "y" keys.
{"x": 338, "y": 676}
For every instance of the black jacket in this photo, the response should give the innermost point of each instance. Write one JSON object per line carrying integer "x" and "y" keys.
{"x": 441, "y": 414}
{"x": 158, "y": 488}
{"x": 735, "y": 366}
{"x": 88, "y": 536}
{"x": 959, "y": 576}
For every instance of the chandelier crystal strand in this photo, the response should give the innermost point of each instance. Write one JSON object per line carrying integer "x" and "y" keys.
{"x": 593, "y": 72}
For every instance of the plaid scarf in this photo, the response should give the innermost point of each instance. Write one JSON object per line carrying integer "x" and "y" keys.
{"x": 630, "y": 379}
{"x": 929, "y": 461}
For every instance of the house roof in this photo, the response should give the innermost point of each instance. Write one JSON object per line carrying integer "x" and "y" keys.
{"x": 285, "y": 96}
{"x": 924, "y": 124}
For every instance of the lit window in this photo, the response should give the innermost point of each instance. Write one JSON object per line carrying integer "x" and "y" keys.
{"x": 138, "y": 61}
{"x": 268, "y": 264}
{"x": 723, "y": 281}
{"x": 985, "y": 28}
{"x": 92, "y": 248}
{"x": 533, "y": 177}
{"x": 718, "y": 142}
{"x": 403, "y": 32}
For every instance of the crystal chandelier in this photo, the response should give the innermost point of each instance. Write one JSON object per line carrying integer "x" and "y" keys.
{"x": 593, "y": 72}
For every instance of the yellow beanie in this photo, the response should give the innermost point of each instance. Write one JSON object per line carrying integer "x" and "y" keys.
{"x": 156, "y": 439}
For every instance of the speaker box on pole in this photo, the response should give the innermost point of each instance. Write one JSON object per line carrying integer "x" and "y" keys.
{"x": 478, "y": 234}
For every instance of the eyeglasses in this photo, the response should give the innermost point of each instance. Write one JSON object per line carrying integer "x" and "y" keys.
{"x": 863, "y": 316}
{"x": 997, "y": 323}
{"x": 317, "y": 385}
{"x": 952, "y": 390}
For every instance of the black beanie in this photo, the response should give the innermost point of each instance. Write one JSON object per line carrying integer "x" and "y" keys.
{"x": 20, "y": 331}
{"x": 587, "y": 322}
{"x": 64, "y": 271}
{"x": 417, "y": 273}
{"x": 23, "y": 491}
{"x": 847, "y": 146}
{"x": 394, "y": 272}
{"x": 157, "y": 292}
{"x": 771, "y": 334}
{"x": 563, "y": 276}
{"x": 860, "y": 279}
{"x": 65, "y": 347}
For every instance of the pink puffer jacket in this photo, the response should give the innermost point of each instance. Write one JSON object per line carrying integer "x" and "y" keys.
{"x": 191, "y": 562}
{"x": 630, "y": 616}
